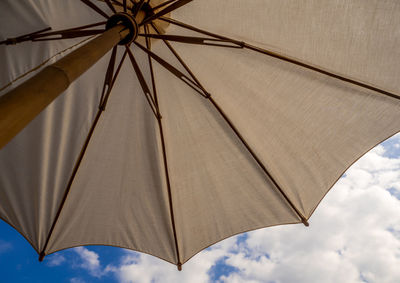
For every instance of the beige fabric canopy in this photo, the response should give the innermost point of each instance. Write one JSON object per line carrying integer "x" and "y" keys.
{"x": 263, "y": 150}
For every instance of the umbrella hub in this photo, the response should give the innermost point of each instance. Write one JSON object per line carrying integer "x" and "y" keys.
{"x": 128, "y": 21}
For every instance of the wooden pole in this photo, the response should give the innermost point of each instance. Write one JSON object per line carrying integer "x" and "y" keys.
{"x": 21, "y": 105}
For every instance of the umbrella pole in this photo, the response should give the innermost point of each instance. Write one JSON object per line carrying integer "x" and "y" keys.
{"x": 21, "y": 105}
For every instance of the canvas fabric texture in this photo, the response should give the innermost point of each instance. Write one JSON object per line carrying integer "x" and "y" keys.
{"x": 305, "y": 127}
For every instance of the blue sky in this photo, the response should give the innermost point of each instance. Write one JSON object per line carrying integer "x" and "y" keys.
{"x": 354, "y": 236}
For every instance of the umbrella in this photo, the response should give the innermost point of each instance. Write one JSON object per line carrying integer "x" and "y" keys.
{"x": 230, "y": 116}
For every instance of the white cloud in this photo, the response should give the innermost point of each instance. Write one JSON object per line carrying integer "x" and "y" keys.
{"x": 55, "y": 260}
{"x": 90, "y": 261}
{"x": 141, "y": 268}
{"x": 76, "y": 280}
{"x": 354, "y": 236}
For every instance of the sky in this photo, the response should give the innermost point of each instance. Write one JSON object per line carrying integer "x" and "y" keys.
{"x": 354, "y": 236}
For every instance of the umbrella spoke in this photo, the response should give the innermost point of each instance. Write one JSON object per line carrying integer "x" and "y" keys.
{"x": 24, "y": 37}
{"x": 168, "y": 9}
{"x": 163, "y": 4}
{"x": 42, "y": 253}
{"x": 237, "y": 133}
{"x": 105, "y": 100}
{"x": 117, "y": 3}
{"x": 110, "y": 5}
{"x": 175, "y": 71}
{"x": 192, "y": 28}
{"x": 78, "y": 162}
{"x": 142, "y": 82}
{"x": 283, "y": 58}
{"x": 258, "y": 160}
{"x": 82, "y": 27}
{"x": 165, "y": 161}
{"x": 109, "y": 75}
{"x": 95, "y": 8}
{"x": 124, "y": 5}
{"x": 137, "y": 7}
{"x": 42, "y": 35}
{"x": 180, "y": 59}
{"x": 195, "y": 40}
{"x": 153, "y": 82}
{"x": 69, "y": 34}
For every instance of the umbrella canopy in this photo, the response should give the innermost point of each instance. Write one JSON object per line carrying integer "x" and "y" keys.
{"x": 230, "y": 116}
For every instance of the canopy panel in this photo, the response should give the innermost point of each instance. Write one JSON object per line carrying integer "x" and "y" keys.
{"x": 36, "y": 165}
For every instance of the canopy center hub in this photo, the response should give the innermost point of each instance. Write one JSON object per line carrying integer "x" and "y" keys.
{"x": 127, "y": 21}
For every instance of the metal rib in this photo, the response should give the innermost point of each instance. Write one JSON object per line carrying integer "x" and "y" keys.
{"x": 76, "y": 167}
{"x": 137, "y": 7}
{"x": 124, "y": 4}
{"x": 68, "y": 34}
{"x": 109, "y": 74}
{"x": 241, "y": 138}
{"x": 168, "y": 9}
{"x": 24, "y": 37}
{"x": 178, "y": 57}
{"x": 284, "y": 58}
{"x": 174, "y": 71}
{"x": 105, "y": 100}
{"x": 259, "y": 162}
{"x": 194, "y": 40}
{"x": 142, "y": 81}
{"x": 117, "y": 3}
{"x": 179, "y": 264}
{"x": 63, "y": 34}
{"x": 110, "y": 5}
{"x": 163, "y": 4}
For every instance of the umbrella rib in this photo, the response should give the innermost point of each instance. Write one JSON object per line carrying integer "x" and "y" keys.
{"x": 177, "y": 4}
{"x": 142, "y": 81}
{"x": 259, "y": 162}
{"x": 137, "y": 7}
{"x": 105, "y": 100}
{"x": 95, "y": 8}
{"x": 65, "y": 33}
{"x": 69, "y": 34}
{"x": 179, "y": 58}
{"x": 124, "y": 4}
{"x": 239, "y": 135}
{"x": 117, "y": 3}
{"x": 109, "y": 74}
{"x": 165, "y": 162}
{"x": 283, "y": 58}
{"x": 78, "y": 162}
{"x": 174, "y": 71}
{"x": 110, "y": 5}
{"x": 163, "y": 4}
{"x": 153, "y": 82}
{"x": 194, "y": 40}
{"x": 74, "y": 29}
{"x": 24, "y": 37}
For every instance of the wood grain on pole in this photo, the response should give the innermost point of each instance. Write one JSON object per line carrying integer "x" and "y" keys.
{"x": 21, "y": 105}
